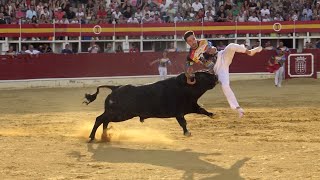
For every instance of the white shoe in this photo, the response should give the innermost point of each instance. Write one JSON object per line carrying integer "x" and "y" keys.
{"x": 279, "y": 85}
{"x": 255, "y": 50}
{"x": 241, "y": 112}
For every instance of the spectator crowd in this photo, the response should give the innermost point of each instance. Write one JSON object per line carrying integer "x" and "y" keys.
{"x": 155, "y": 11}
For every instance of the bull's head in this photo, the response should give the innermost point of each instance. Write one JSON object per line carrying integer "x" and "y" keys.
{"x": 204, "y": 80}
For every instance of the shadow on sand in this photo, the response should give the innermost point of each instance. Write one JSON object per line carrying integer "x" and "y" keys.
{"x": 186, "y": 160}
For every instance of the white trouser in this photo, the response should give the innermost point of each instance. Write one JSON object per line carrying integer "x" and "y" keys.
{"x": 222, "y": 70}
{"x": 162, "y": 73}
{"x": 279, "y": 76}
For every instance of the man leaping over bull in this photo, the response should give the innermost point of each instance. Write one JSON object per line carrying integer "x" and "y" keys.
{"x": 201, "y": 51}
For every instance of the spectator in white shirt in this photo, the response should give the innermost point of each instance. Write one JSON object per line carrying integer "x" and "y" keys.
{"x": 80, "y": 12}
{"x": 253, "y": 18}
{"x": 308, "y": 12}
{"x": 117, "y": 13}
{"x": 133, "y": 20}
{"x": 145, "y": 11}
{"x": 163, "y": 7}
{"x": 265, "y": 18}
{"x": 278, "y": 17}
{"x": 208, "y": 16}
{"x": 178, "y": 18}
{"x": 94, "y": 48}
{"x": 186, "y": 6}
{"x": 154, "y": 12}
{"x": 74, "y": 21}
{"x": 46, "y": 13}
{"x": 265, "y": 11}
{"x": 147, "y": 19}
{"x": 197, "y": 6}
{"x": 31, "y": 50}
{"x": 31, "y": 12}
{"x": 295, "y": 16}
{"x": 213, "y": 12}
{"x": 138, "y": 14}
{"x": 241, "y": 17}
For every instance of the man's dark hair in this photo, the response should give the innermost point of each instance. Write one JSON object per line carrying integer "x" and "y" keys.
{"x": 187, "y": 34}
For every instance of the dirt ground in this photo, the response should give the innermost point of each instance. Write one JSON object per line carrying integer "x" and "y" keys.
{"x": 43, "y": 134}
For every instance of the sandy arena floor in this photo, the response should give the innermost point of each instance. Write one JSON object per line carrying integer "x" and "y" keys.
{"x": 43, "y": 134}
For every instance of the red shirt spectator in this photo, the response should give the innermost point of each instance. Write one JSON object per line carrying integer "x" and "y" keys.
{"x": 200, "y": 14}
{"x": 20, "y": 14}
{"x": 59, "y": 14}
{"x": 28, "y": 2}
{"x": 102, "y": 13}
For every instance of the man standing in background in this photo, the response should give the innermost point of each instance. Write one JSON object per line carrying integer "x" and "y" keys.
{"x": 282, "y": 54}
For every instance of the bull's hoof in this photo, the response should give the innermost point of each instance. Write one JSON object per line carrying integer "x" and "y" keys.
{"x": 212, "y": 115}
{"x": 105, "y": 138}
{"x": 187, "y": 134}
{"x": 91, "y": 140}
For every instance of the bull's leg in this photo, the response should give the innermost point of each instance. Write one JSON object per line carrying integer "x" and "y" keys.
{"x": 104, "y": 135}
{"x": 205, "y": 112}
{"x": 142, "y": 119}
{"x": 183, "y": 123}
{"x": 99, "y": 121}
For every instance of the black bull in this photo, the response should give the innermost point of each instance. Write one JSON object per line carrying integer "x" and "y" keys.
{"x": 169, "y": 98}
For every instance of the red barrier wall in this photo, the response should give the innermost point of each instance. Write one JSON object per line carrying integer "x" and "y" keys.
{"x": 104, "y": 65}
{"x": 316, "y": 54}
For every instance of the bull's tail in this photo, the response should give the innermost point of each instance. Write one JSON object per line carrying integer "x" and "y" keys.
{"x": 91, "y": 97}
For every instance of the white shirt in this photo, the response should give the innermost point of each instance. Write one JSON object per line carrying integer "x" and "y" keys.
{"x": 278, "y": 19}
{"x": 74, "y": 21}
{"x": 46, "y": 14}
{"x": 62, "y": 21}
{"x": 94, "y": 49}
{"x": 79, "y": 14}
{"x": 178, "y": 19}
{"x": 253, "y": 19}
{"x": 138, "y": 15}
{"x": 152, "y": 13}
{"x": 213, "y": 12}
{"x": 185, "y": 5}
{"x": 196, "y": 7}
{"x": 32, "y": 52}
{"x": 264, "y": 12}
{"x": 162, "y": 8}
{"x": 116, "y": 15}
{"x": 133, "y": 20}
{"x": 30, "y": 14}
{"x": 145, "y": 12}
{"x": 241, "y": 18}
{"x": 266, "y": 20}
{"x": 210, "y": 18}
{"x": 294, "y": 17}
